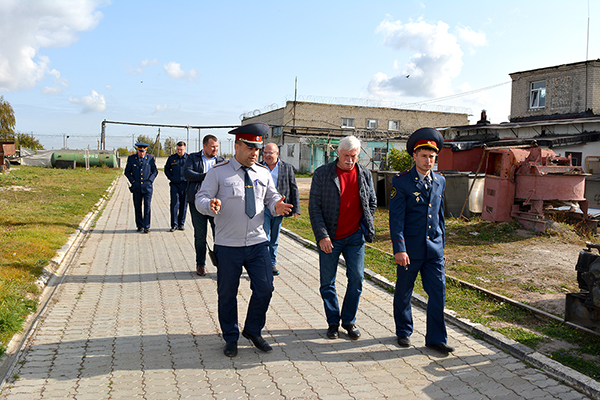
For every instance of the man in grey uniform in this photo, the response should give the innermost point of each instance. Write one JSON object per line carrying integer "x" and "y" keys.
{"x": 236, "y": 192}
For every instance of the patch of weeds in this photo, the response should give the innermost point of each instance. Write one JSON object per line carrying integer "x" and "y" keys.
{"x": 589, "y": 368}
{"x": 531, "y": 288}
{"x": 526, "y": 337}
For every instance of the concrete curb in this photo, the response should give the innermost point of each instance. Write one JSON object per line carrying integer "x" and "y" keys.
{"x": 49, "y": 281}
{"x": 556, "y": 370}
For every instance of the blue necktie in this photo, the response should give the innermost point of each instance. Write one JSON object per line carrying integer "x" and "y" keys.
{"x": 249, "y": 193}
{"x": 427, "y": 181}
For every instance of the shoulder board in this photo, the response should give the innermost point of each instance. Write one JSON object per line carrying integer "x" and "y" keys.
{"x": 221, "y": 163}
{"x": 403, "y": 173}
{"x": 260, "y": 165}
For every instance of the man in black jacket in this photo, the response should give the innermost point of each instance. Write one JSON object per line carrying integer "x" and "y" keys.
{"x": 342, "y": 207}
{"x": 178, "y": 185}
{"x": 285, "y": 181}
{"x": 194, "y": 171}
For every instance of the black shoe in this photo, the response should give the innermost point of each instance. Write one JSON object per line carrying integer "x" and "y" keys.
{"x": 353, "y": 332}
{"x": 230, "y": 349}
{"x": 140, "y": 229}
{"x": 258, "y": 342}
{"x": 332, "y": 332}
{"x": 275, "y": 271}
{"x": 146, "y": 230}
{"x": 181, "y": 228}
{"x": 172, "y": 229}
{"x": 403, "y": 341}
{"x": 441, "y": 347}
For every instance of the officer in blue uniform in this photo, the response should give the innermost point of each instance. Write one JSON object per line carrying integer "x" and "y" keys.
{"x": 178, "y": 185}
{"x": 236, "y": 192}
{"x": 141, "y": 171}
{"x": 417, "y": 229}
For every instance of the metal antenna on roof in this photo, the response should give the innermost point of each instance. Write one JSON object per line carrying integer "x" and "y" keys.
{"x": 588, "y": 34}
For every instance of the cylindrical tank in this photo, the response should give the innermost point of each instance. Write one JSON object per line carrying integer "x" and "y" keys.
{"x": 95, "y": 159}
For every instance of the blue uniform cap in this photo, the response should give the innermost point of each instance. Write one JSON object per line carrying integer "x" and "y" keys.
{"x": 425, "y": 138}
{"x": 142, "y": 145}
{"x": 251, "y": 134}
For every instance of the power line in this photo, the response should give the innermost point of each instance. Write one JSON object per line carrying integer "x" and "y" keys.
{"x": 454, "y": 96}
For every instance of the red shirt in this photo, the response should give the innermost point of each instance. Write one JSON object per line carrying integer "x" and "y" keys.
{"x": 350, "y": 207}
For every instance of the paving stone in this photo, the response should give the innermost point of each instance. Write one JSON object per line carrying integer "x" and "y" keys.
{"x": 132, "y": 320}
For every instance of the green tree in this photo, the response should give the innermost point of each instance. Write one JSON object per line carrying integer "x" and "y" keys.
{"x": 170, "y": 146}
{"x": 7, "y": 119}
{"x": 123, "y": 152}
{"x": 27, "y": 141}
{"x": 399, "y": 160}
{"x": 155, "y": 146}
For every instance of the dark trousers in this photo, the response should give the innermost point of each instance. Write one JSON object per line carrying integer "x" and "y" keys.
{"x": 178, "y": 204}
{"x": 257, "y": 262}
{"x": 142, "y": 217}
{"x": 434, "y": 284}
{"x": 199, "y": 221}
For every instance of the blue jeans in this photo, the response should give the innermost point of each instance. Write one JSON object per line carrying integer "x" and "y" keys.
{"x": 178, "y": 204}
{"x": 272, "y": 227}
{"x": 199, "y": 221}
{"x": 353, "y": 249}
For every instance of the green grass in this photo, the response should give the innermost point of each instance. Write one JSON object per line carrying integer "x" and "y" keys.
{"x": 39, "y": 209}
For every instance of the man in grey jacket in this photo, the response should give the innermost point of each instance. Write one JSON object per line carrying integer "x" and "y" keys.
{"x": 342, "y": 207}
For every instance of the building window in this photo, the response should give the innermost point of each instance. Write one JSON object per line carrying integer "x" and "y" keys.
{"x": 379, "y": 153}
{"x": 393, "y": 125}
{"x": 277, "y": 130}
{"x": 371, "y": 124}
{"x": 537, "y": 97}
{"x": 347, "y": 122}
{"x": 290, "y": 150}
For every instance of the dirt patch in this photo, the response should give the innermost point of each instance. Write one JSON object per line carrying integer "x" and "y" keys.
{"x": 15, "y": 188}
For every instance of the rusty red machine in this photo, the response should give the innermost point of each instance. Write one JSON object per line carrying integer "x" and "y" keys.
{"x": 7, "y": 148}
{"x": 524, "y": 182}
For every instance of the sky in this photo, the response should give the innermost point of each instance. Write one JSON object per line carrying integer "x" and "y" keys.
{"x": 67, "y": 65}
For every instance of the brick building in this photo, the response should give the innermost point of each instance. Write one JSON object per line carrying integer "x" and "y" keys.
{"x": 563, "y": 91}
{"x": 307, "y": 133}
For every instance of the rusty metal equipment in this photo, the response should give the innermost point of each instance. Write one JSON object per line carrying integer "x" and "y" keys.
{"x": 7, "y": 148}
{"x": 523, "y": 183}
{"x": 583, "y": 308}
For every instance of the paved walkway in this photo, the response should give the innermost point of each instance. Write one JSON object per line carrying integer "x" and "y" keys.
{"x": 132, "y": 320}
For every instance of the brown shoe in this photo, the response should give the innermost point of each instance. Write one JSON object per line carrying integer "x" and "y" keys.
{"x": 200, "y": 270}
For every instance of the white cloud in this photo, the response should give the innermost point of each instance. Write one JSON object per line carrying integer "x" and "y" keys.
{"x": 142, "y": 66}
{"x": 93, "y": 103}
{"x": 471, "y": 38}
{"x": 174, "y": 70}
{"x": 160, "y": 109}
{"x": 436, "y": 58}
{"x": 28, "y": 26}
{"x": 59, "y": 84}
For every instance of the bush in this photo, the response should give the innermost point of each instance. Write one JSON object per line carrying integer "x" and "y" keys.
{"x": 398, "y": 160}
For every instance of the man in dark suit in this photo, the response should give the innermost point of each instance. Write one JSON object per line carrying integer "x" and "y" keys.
{"x": 342, "y": 207}
{"x": 178, "y": 185}
{"x": 418, "y": 236}
{"x": 285, "y": 181}
{"x": 141, "y": 171}
{"x": 194, "y": 172}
